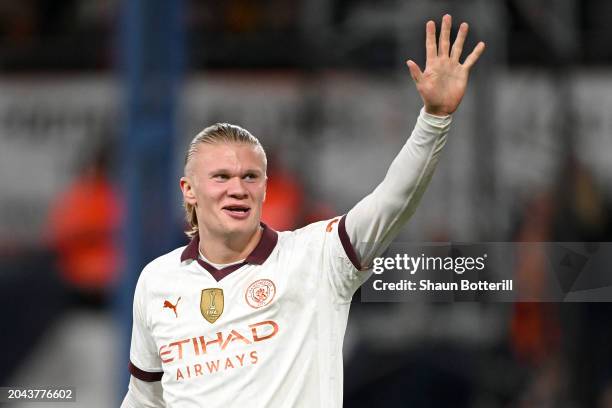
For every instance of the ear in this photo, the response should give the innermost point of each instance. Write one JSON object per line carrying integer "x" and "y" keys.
{"x": 265, "y": 189}
{"x": 188, "y": 192}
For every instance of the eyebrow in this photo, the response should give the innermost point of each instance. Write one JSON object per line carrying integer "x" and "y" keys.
{"x": 227, "y": 171}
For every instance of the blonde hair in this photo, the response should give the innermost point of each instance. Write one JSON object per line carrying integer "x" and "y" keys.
{"x": 215, "y": 134}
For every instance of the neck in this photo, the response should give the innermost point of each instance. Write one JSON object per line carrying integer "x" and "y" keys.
{"x": 228, "y": 249}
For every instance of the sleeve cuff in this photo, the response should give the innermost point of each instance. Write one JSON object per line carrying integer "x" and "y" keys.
{"x": 434, "y": 120}
{"x": 144, "y": 375}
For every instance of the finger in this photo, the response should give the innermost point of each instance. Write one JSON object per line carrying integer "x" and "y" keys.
{"x": 445, "y": 35}
{"x": 415, "y": 71}
{"x": 430, "y": 40}
{"x": 474, "y": 55}
{"x": 459, "y": 41}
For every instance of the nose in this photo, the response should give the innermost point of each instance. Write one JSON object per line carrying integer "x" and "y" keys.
{"x": 236, "y": 188}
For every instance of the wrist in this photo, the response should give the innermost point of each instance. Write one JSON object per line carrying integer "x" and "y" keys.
{"x": 436, "y": 111}
{"x": 435, "y": 120}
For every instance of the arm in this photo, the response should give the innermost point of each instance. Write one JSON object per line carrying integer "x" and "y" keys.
{"x": 376, "y": 220}
{"x": 143, "y": 394}
{"x": 145, "y": 388}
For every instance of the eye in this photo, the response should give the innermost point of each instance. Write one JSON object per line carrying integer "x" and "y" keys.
{"x": 250, "y": 177}
{"x": 220, "y": 177}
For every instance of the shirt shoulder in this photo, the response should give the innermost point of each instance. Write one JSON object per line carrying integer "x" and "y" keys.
{"x": 154, "y": 276}
{"x": 168, "y": 261}
{"x": 317, "y": 228}
{"x": 318, "y": 238}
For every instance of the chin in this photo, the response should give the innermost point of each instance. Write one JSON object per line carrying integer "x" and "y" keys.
{"x": 241, "y": 226}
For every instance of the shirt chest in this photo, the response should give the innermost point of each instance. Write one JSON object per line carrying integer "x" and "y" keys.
{"x": 193, "y": 304}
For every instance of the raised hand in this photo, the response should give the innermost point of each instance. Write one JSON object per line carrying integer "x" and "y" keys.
{"x": 442, "y": 84}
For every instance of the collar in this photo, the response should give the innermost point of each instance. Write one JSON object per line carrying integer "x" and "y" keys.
{"x": 258, "y": 256}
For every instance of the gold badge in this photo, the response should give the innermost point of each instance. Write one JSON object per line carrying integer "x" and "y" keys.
{"x": 211, "y": 304}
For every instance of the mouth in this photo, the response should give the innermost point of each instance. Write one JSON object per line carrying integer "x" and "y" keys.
{"x": 238, "y": 211}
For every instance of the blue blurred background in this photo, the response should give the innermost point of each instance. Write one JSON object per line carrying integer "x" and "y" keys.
{"x": 99, "y": 99}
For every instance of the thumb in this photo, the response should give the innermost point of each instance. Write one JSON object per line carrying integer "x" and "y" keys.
{"x": 415, "y": 71}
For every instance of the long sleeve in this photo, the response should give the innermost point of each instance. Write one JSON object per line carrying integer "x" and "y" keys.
{"x": 377, "y": 219}
{"x": 145, "y": 389}
{"x": 143, "y": 394}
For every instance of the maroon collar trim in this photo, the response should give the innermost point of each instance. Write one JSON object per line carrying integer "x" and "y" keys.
{"x": 258, "y": 256}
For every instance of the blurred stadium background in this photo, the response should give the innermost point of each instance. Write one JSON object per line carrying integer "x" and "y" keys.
{"x": 99, "y": 98}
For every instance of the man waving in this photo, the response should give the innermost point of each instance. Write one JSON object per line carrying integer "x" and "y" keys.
{"x": 262, "y": 313}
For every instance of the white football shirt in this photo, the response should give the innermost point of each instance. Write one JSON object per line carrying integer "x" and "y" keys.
{"x": 268, "y": 332}
{"x": 264, "y": 333}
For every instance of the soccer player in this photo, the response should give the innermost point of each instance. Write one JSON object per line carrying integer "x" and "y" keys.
{"x": 245, "y": 316}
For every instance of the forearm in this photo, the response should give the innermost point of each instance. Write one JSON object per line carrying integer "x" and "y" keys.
{"x": 377, "y": 219}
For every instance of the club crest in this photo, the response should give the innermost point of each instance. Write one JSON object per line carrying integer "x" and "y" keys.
{"x": 211, "y": 304}
{"x": 260, "y": 293}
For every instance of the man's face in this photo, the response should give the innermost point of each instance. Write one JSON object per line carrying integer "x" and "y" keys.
{"x": 226, "y": 182}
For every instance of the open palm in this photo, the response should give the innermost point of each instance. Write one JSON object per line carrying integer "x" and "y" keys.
{"x": 442, "y": 84}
